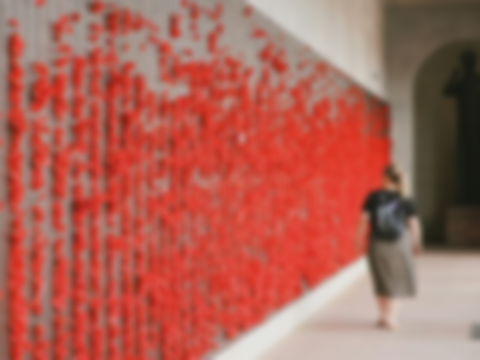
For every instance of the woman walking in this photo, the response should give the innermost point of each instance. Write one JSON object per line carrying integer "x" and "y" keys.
{"x": 388, "y": 214}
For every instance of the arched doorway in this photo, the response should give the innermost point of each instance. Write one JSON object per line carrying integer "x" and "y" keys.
{"x": 436, "y": 172}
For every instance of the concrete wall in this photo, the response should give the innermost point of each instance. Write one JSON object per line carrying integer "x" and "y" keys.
{"x": 347, "y": 33}
{"x": 77, "y": 256}
{"x": 413, "y": 34}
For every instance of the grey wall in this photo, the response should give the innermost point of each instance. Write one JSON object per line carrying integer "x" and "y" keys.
{"x": 35, "y": 25}
{"x": 349, "y": 33}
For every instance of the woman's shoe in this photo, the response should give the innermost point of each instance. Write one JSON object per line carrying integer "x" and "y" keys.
{"x": 387, "y": 324}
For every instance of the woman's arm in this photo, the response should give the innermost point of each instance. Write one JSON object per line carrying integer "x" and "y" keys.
{"x": 362, "y": 230}
{"x": 416, "y": 231}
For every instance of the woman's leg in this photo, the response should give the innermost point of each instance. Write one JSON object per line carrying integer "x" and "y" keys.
{"x": 382, "y": 308}
{"x": 388, "y": 311}
{"x": 392, "y": 312}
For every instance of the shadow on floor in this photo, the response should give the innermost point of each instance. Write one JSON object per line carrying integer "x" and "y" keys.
{"x": 342, "y": 325}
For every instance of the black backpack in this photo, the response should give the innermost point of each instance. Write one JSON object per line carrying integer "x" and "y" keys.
{"x": 390, "y": 220}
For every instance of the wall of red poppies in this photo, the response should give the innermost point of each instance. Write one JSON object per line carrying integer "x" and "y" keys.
{"x": 173, "y": 172}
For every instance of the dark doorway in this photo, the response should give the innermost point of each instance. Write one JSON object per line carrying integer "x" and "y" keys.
{"x": 437, "y": 177}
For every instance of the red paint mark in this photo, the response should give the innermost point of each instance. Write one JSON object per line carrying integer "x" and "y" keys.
{"x": 259, "y": 33}
{"x": 248, "y": 11}
{"x": 175, "y": 26}
{"x": 13, "y": 22}
{"x": 97, "y": 7}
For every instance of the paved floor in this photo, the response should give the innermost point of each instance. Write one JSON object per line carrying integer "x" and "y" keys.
{"x": 436, "y": 325}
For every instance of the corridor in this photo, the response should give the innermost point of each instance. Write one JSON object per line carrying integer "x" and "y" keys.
{"x": 437, "y": 325}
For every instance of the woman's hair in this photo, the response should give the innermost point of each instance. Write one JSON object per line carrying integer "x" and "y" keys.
{"x": 395, "y": 175}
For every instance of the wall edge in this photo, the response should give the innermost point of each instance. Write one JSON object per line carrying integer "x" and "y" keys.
{"x": 260, "y": 339}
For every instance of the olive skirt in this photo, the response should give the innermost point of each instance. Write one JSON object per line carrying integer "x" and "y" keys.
{"x": 392, "y": 267}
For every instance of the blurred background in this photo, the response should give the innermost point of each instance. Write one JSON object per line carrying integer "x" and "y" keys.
{"x": 182, "y": 179}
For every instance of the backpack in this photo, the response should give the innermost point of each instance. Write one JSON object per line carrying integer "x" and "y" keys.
{"x": 390, "y": 222}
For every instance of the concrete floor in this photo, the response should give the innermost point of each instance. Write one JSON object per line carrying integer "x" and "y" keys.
{"x": 436, "y": 325}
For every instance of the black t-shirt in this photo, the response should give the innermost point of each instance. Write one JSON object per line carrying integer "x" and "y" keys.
{"x": 376, "y": 198}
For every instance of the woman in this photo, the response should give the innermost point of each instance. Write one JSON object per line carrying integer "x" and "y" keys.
{"x": 388, "y": 213}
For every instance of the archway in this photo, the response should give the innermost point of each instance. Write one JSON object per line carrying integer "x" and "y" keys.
{"x": 435, "y": 142}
